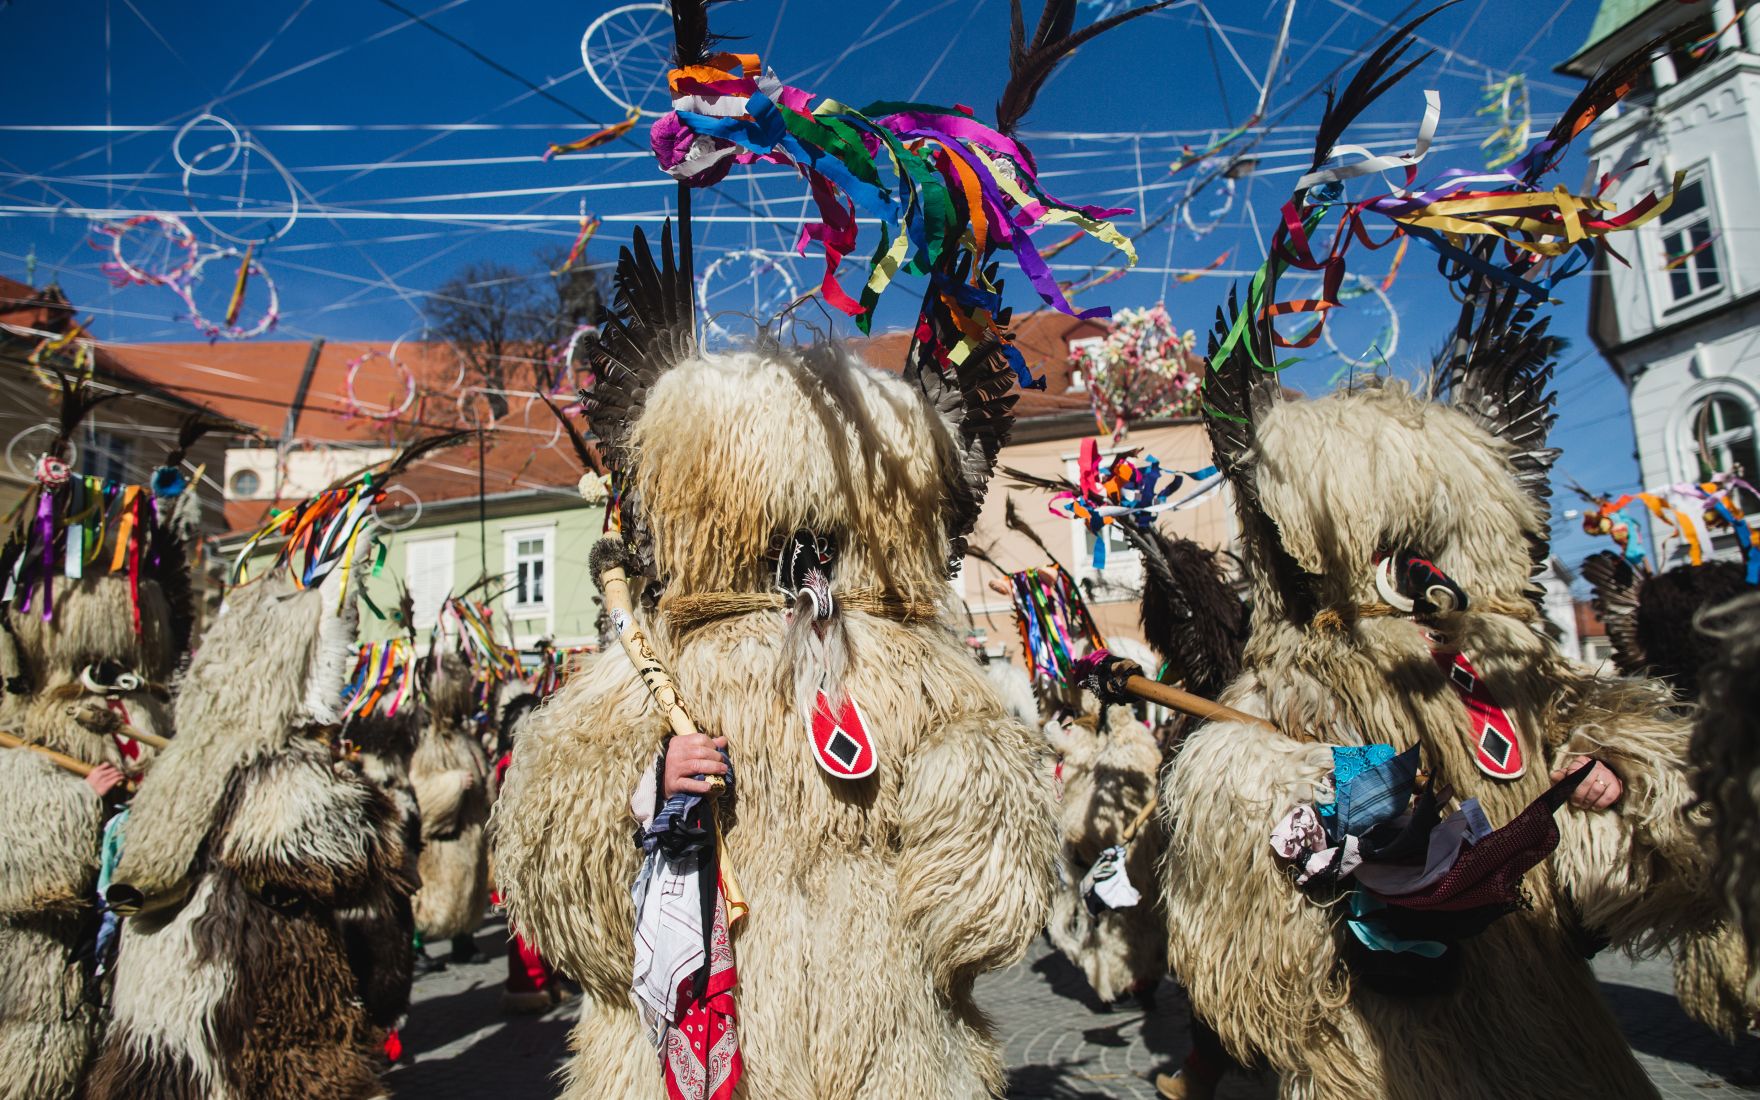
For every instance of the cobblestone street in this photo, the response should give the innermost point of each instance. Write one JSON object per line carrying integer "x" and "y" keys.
{"x": 1060, "y": 1043}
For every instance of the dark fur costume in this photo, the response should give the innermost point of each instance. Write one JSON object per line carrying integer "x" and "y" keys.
{"x": 246, "y": 842}
{"x": 1649, "y": 619}
{"x": 1726, "y": 756}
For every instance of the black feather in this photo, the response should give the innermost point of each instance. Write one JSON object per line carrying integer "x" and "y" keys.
{"x": 1031, "y": 65}
{"x": 1191, "y": 615}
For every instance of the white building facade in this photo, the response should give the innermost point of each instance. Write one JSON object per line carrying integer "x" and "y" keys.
{"x": 1680, "y": 325}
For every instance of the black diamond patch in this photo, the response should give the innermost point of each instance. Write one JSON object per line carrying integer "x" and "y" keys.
{"x": 1496, "y": 745}
{"x": 844, "y": 749}
{"x": 1465, "y": 679}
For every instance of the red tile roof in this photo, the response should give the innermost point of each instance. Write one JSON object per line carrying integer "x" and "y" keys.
{"x": 257, "y": 383}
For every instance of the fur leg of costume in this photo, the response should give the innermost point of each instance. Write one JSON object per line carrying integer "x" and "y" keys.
{"x": 1108, "y": 778}
{"x": 451, "y": 778}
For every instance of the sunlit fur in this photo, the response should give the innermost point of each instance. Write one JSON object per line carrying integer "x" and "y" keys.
{"x": 451, "y": 779}
{"x": 1342, "y": 477}
{"x": 1109, "y": 774}
{"x": 50, "y": 820}
{"x": 247, "y": 836}
{"x": 874, "y": 903}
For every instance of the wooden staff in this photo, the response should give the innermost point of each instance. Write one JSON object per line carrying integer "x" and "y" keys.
{"x": 609, "y": 562}
{"x": 62, "y": 760}
{"x": 121, "y": 729}
{"x": 1171, "y": 697}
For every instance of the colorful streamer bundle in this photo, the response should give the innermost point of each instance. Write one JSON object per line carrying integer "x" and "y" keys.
{"x": 1140, "y": 369}
{"x": 1552, "y": 229}
{"x": 937, "y": 178}
{"x": 80, "y": 525}
{"x": 1691, "y": 511}
{"x": 1128, "y": 490}
{"x": 320, "y": 533}
{"x": 472, "y": 622}
{"x": 554, "y": 667}
{"x": 1053, "y": 622}
{"x": 596, "y": 138}
{"x": 383, "y": 673}
{"x": 490, "y": 662}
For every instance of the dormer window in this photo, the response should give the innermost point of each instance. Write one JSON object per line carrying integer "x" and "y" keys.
{"x": 1689, "y": 245}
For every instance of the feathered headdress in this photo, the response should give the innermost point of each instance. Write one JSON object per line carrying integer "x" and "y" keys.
{"x": 1494, "y": 233}
{"x": 950, "y": 191}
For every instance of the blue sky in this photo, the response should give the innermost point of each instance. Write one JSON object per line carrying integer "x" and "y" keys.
{"x": 410, "y": 157}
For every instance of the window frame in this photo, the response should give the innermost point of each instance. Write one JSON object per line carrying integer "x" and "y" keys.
{"x": 511, "y": 560}
{"x": 1669, "y": 308}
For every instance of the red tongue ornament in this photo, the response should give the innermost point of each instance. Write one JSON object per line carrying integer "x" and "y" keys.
{"x": 841, "y": 743}
{"x": 1497, "y": 748}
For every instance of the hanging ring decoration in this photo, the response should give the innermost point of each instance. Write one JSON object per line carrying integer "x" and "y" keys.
{"x": 237, "y": 149}
{"x": 627, "y": 53}
{"x": 1386, "y": 343}
{"x": 229, "y": 328}
{"x": 555, "y": 424}
{"x": 1206, "y": 169}
{"x": 415, "y": 503}
{"x": 473, "y": 408}
{"x": 391, "y": 412}
{"x": 759, "y": 265}
{"x": 174, "y": 240}
{"x": 571, "y": 369}
{"x": 21, "y": 455}
{"x": 234, "y": 141}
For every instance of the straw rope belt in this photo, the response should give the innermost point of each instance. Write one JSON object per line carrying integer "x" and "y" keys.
{"x": 692, "y": 611}
{"x": 1333, "y": 621}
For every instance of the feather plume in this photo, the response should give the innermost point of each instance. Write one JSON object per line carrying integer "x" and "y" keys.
{"x": 1030, "y": 65}
{"x": 1191, "y": 615}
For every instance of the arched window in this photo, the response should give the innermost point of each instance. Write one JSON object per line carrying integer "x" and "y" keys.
{"x": 1721, "y": 440}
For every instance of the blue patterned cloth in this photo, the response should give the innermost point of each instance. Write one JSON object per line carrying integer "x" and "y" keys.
{"x": 1348, "y": 762}
{"x": 1376, "y": 794}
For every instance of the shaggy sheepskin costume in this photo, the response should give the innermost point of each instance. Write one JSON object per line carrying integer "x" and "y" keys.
{"x": 251, "y": 836}
{"x": 875, "y": 902}
{"x": 52, "y": 821}
{"x": 1525, "y": 1018}
{"x": 379, "y": 932}
{"x": 1385, "y": 533}
{"x": 1108, "y": 779}
{"x": 75, "y": 667}
{"x": 451, "y": 777}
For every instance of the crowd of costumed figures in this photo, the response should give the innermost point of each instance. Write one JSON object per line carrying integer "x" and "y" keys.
{"x": 773, "y": 827}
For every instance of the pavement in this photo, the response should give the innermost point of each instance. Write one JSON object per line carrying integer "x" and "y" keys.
{"x": 1060, "y": 1042}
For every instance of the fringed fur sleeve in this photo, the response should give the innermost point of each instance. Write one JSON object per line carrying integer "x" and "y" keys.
{"x": 1638, "y": 873}
{"x": 977, "y": 845}
{"x": 1260, "y": 961}
{"x": 50, "y": 821}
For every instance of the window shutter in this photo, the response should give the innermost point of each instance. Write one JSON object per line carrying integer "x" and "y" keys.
{"x": 428, "y": 572}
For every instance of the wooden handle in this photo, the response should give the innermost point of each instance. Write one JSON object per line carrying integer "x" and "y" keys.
{"x": 151, "y": 740}
{"x": 1187, "y": 703}
{"x": 614, "y": 586}
{"x": 67, "y": 763}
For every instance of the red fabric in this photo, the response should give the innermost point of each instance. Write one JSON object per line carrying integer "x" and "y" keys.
{"x": 527, "y": 972}
{"x": 702, "y": 1051}
{"x": 393, "y": 1045}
